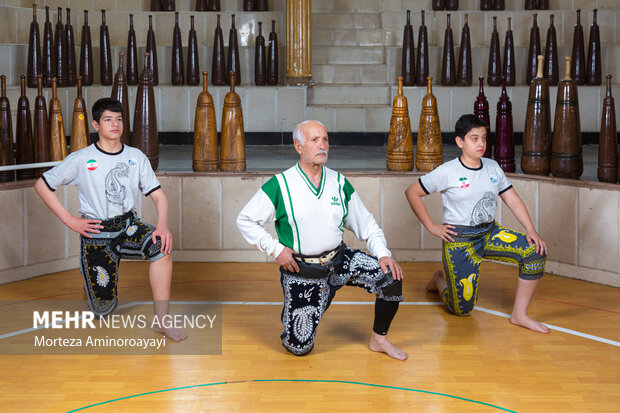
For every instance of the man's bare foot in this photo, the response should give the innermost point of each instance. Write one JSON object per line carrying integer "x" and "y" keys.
{"x": 381, "y": 344}
{"x": 527, "y": 322}
{"x": 174, "y": 334}
{"x": 436, "y": 283}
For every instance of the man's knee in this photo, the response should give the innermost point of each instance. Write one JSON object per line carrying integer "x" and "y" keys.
{"x": 297, "y": 351}
{"x": 300, "y": 353}
{"x": 391, "y": 288}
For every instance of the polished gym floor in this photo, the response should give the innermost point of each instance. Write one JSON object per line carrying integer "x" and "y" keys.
{"x": 474, "y": 364}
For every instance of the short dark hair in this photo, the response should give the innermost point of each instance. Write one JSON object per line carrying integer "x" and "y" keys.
{"x": 104, "y": 104}
{"x": 466, "y": 123}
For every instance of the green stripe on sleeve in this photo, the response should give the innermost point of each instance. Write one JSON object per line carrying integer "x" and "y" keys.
{"x": 293, "y": 214}
{"x": 348, "y": 190}
{"x": 348, "y": 193}
{"x": 285, "y": 233}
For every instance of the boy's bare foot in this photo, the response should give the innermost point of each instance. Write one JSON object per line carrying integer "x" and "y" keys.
{"x": 381, "y": 344}
{"x": 527, "y": 322}
{"x": 436, "y": 283}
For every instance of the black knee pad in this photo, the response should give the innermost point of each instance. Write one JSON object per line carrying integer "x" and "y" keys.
{"x": 391, "y": 287}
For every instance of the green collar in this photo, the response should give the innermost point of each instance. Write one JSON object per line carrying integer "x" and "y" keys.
{"x": 316, "y": 191}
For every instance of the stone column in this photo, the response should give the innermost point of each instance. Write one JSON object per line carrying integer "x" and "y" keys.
{"x": 299, "y": 42}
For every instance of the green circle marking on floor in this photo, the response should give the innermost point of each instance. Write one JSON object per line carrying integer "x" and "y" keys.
{"x": 296, "y": 380}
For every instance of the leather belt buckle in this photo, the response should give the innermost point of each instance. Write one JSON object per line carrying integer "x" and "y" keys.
{"x": 321, "y": 260}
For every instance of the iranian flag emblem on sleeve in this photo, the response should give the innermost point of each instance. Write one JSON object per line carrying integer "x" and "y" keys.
{"x": 92, "y": 164}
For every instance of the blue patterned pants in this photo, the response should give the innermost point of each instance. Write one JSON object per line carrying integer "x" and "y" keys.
{"x": 462, "y": 259}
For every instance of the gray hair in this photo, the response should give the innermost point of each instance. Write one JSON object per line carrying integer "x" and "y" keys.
{"x": 298, "y": 134}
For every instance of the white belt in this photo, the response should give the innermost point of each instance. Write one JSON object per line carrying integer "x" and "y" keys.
{"x": 320, "y": 260}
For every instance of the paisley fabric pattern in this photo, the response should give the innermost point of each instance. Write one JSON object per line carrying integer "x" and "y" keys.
{"x": 100, "y": 256}
{"x": 307, "y": 298}
{"x": 462, "y": 259}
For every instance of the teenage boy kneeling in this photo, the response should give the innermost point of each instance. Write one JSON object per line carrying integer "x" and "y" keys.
{"x": 469, "y": 187}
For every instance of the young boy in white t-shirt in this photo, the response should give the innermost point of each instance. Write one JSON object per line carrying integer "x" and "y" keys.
{"x": 109, "y": 177}
{"x": 469, "y": 187}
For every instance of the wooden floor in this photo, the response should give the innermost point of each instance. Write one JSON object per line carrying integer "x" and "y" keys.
{"x": 479, "y": 363}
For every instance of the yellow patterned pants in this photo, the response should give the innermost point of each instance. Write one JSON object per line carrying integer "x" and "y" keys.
{"x": 462, "y": 259}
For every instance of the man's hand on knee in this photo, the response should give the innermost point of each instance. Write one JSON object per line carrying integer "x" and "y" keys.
{"x": 388, "y": 264}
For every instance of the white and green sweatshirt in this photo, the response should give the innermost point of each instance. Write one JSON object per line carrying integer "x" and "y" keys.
{"x": 309, "y": 220}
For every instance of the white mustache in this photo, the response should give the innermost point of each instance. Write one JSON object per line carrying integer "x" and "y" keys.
{"x": 321, "y": 152}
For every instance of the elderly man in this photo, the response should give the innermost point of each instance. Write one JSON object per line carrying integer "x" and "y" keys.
{"x": 310, "y": 205}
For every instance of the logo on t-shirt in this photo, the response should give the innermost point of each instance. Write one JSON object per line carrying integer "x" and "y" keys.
{"x": 463, "y": 182}
{"x": 335, "y": 201}
{"x": 132, "y": 162}
{"x": 493, "y": 179}
{"x": 92, "y": 164}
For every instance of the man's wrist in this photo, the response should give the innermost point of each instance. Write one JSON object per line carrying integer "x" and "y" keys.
{"x": 278, "y": 250}
{"x": 384, "y": 254}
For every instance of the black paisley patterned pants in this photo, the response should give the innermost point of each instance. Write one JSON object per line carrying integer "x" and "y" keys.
{"x": 308, "y": 294}
{"x": 122, "y": 237}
